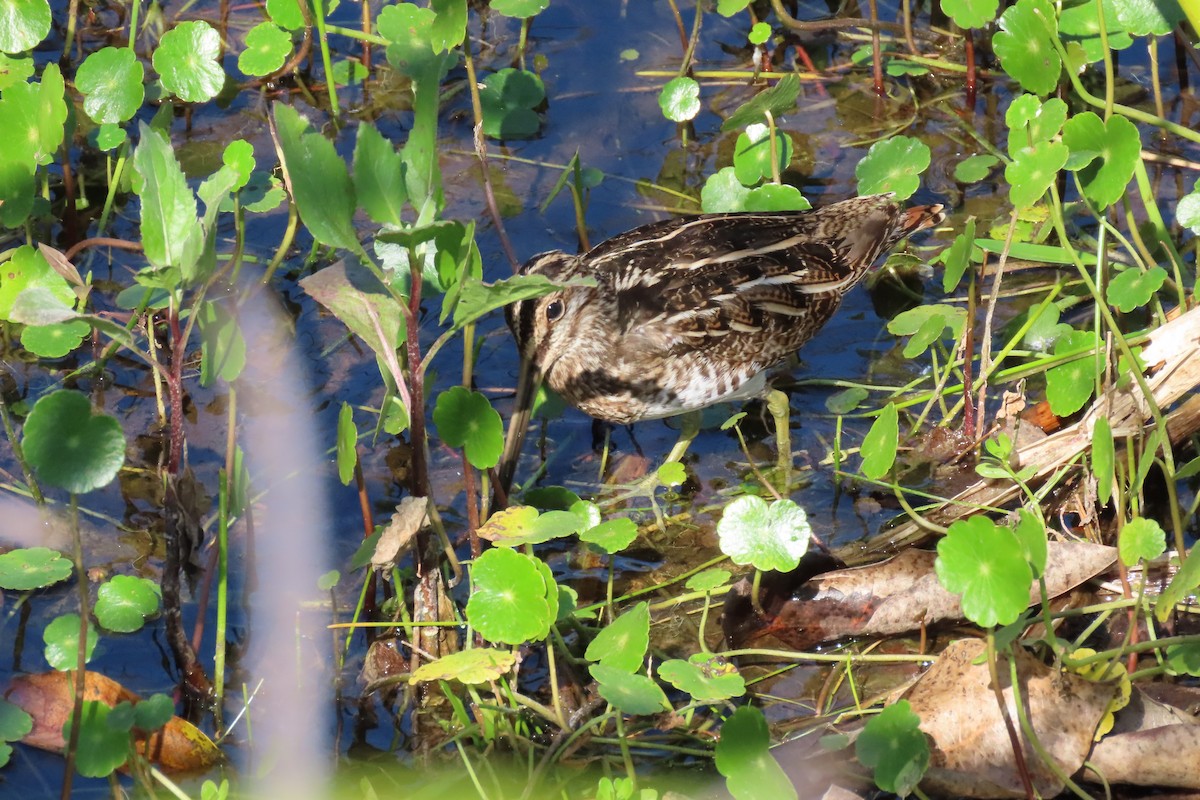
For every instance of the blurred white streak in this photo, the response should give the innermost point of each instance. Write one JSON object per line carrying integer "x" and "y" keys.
{"x": 291, "y": 748}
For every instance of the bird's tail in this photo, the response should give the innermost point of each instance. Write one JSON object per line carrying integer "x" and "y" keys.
{"x": 918, "y": 218}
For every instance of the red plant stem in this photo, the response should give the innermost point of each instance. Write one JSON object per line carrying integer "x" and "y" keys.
{"x": 968, "y": 355}
{"x": 364, "y": 505}
{"x": 806, "y": 59}
{"x": 472, "y": 506}
{"x": 972, "y": 80}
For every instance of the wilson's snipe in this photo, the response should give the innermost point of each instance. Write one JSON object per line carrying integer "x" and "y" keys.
{"x": 690, "y": 312}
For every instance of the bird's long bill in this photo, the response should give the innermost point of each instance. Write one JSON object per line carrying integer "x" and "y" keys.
{"x": 529, "y": 379}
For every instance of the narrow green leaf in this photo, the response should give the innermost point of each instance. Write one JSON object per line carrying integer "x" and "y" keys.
{"x": 880, "y": 443}
{"x": 1103, "y": 459}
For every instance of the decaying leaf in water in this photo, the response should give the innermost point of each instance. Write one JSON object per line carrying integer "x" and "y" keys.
{"x": 891, "y": 597}
{"x": 972, "y": 752}
{"x": 1151, "y": 744}
{"x": 48, "y": 697}
{"x": 409, "y": 517}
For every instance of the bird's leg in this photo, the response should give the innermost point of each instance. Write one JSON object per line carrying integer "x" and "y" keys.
{"x": 689, "y": 426}
{"x": 780, "y": 408}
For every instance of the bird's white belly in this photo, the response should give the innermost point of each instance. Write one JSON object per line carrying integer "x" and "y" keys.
{"x": 699, "y": 388}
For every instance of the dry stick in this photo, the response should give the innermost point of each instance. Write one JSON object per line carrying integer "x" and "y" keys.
{"x": 968, "y": 355}
{"x": 838, "y": 22}
{"x": 481, "y": 151}
{"x": 972, "y": 78}
{"x": 876, "y": 56}
{"x": 1017, "y": 750}
{"x": 683, "y": 37}
{"x": 985, "y": 346}
{"x": 906, "y": 10}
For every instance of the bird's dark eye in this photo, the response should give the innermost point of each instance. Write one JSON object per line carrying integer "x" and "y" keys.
{"x": 554, "y": 310}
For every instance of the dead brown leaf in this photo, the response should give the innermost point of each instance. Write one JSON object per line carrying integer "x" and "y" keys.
{"x": 48, "y": 697}
{"x": 972, "y": 752}
{"x": 398, "y": 535}
{"x": 891, "y": 597}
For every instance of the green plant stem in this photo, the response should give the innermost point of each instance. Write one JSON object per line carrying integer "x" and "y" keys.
{"x": 134, "y": 7}
{"x": 1046, "y": 757}
{"x": 1109, "y": 88}
{"x": 626, "y": 756}
{"x": 1161, "y": 231}
{"x": 1105, "y": 656}
{"x": 114, "y": 182}
{"x": 685, "y": 65}
{"x": 1127, "y": 351}
{"x": 81, "y": 586}
{"x": 1126, "y": 111}
{"x": 35, "y": 491}
{"x": 326, "y": 59}
{"x": 225, "y": 490}
{"x": 1017, "y": 750}
{"x": 353, "y": 33}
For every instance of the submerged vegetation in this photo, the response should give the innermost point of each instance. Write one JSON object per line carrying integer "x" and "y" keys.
{"x": 252, "y": 255}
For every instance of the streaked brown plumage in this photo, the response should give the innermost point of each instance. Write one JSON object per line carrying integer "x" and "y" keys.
{"x": 690, "y": 312}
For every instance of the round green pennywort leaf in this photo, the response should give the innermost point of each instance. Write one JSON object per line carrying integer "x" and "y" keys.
{"x": 708, "y": 580}
{"x": 1184, "y": 659}
{"x": 1141, "y": 540}
{"x": 124, "y": 601}
{"x": 23, "y": 23}
{"x": 971, "y": 13}
{"x": 893, "y": 745}
{"x": 1025, "y": 46}
{"x": 286, "y": 13}
{"x": 680, "y": 99}
{"x": 760, "y": 33}
{"x": 672, "y": 473}
{"x": 32, "y": 568}
{"x": 475, "y": 666}
{"x": 974, "y": 168}
{"x": 744, "y": 758}
{"x": 508, "y": 98}
{"x": 153, "y": 712}
{"x": 28, "y": 269}
{"x": 509, "y": 602}
{"x": 186, "y": 60}
{"x": 770, "y": 537}
{"x": 775, "y": 197}
{"x": 707, "y": 677}
{"x": 102, "y": 748}
{"x": 111, "y": 82}
{"x": 466, "y": 419}
{"x": 629, "y": 692}
{"x": 69, "y": 446}
{"x": 723, "y": 192}
{"x": 623, "y": 644}
{"x": 56, "y": 339}
{"x": 14, "y": 722}
{"x": 1188, "y": 212}
{"x": 1133, "y": 288}
{"x": 612, "y": 536}
{"x": 62, "y": 642}
{"x": 1120, "y": 147}
{"x": 521, "y": 9}
{"x": 983, "y": 563}
{"x": 267, "y": 47}
{"x": 752, "y": 154}
{"x": 1032, "y": 171}
{"x": 893, "y": 165}
{"x": 1069, "y": 385}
